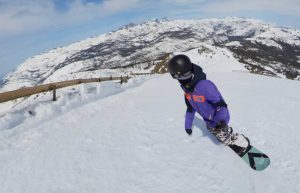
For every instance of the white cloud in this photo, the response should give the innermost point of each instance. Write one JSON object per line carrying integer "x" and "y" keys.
{"x": 17, "y": 16}
{"x": 289, "y": 7}
{"x": 184, "y": 1}
{"x": 14, "y": 15}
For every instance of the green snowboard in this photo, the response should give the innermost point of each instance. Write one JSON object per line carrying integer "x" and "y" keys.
{"x": 256, "y": 159}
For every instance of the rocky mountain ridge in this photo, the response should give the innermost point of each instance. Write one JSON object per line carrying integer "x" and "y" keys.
{"x": 263, "y": 48}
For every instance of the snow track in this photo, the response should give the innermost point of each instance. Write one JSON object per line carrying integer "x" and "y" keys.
{"x": 135, "y": 141}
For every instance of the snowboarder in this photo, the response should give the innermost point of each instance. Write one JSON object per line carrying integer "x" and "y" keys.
{"x": 203, "y": 97}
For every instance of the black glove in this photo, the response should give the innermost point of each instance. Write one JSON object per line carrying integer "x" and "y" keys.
{"x": 189, "y": 131}
{"x": 221, "y": 125}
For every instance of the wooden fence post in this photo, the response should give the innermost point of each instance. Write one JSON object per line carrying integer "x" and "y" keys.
{"x": 54, "y": 93}
{"x": 121, "y": 81}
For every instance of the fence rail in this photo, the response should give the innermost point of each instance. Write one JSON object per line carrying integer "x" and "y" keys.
{"x": 141, "y": 73}
{"x": 28, "y": 91}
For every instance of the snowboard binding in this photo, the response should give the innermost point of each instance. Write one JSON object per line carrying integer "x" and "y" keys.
{"x": 238, "y": 142}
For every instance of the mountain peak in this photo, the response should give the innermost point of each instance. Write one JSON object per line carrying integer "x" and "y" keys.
{"x": 150, "y": 21}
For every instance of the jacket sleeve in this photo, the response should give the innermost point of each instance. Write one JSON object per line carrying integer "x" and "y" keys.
{"x": 214, "y": 97}
{"x": 189, "y": 115}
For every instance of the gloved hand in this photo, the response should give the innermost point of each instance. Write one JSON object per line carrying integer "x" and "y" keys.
{"x": 221, "y": 125}
{"x": 189, "y": 131}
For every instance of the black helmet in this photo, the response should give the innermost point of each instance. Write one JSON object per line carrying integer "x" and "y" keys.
{"x": 180, "y": 67}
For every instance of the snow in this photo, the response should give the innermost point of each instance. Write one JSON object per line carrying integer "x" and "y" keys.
{"x": 233, "y": 44}
{"x": 131, "y": 138}
{"x": 214, "y": 59}
{"x": 68, "y": 98}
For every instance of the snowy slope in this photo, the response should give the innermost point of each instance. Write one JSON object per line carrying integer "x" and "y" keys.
{"x": 133, "y": 140}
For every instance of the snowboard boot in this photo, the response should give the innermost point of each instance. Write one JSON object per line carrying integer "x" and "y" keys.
{"x": 222, "y": 134}
{"x": 237, "y": 142}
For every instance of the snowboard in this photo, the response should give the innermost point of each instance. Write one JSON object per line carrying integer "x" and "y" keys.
{"x": 255, "y": 158}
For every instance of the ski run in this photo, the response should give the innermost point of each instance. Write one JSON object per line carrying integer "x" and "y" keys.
{"x": 130, "y": 138}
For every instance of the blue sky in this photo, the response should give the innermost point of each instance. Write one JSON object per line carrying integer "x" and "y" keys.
{"x": 29, "y": 27}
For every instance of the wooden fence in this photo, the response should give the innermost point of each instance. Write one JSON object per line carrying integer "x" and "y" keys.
{"x": 140, "y": 74}
{"x": 28, "y": 91}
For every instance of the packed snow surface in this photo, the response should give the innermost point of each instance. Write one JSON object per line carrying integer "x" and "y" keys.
{"x": 132, "y": 139}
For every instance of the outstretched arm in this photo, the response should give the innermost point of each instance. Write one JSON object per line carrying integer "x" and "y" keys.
{"x": 189, "y": 116}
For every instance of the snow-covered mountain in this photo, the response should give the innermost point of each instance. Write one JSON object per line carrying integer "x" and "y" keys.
{"x": 262, "y": 48}
{"x": 131, "y": 138}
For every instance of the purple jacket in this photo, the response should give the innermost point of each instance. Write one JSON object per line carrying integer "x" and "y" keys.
{"x": 205, "y": 99}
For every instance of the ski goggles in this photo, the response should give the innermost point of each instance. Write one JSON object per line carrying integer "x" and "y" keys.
{"x": 184, "y": 76}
